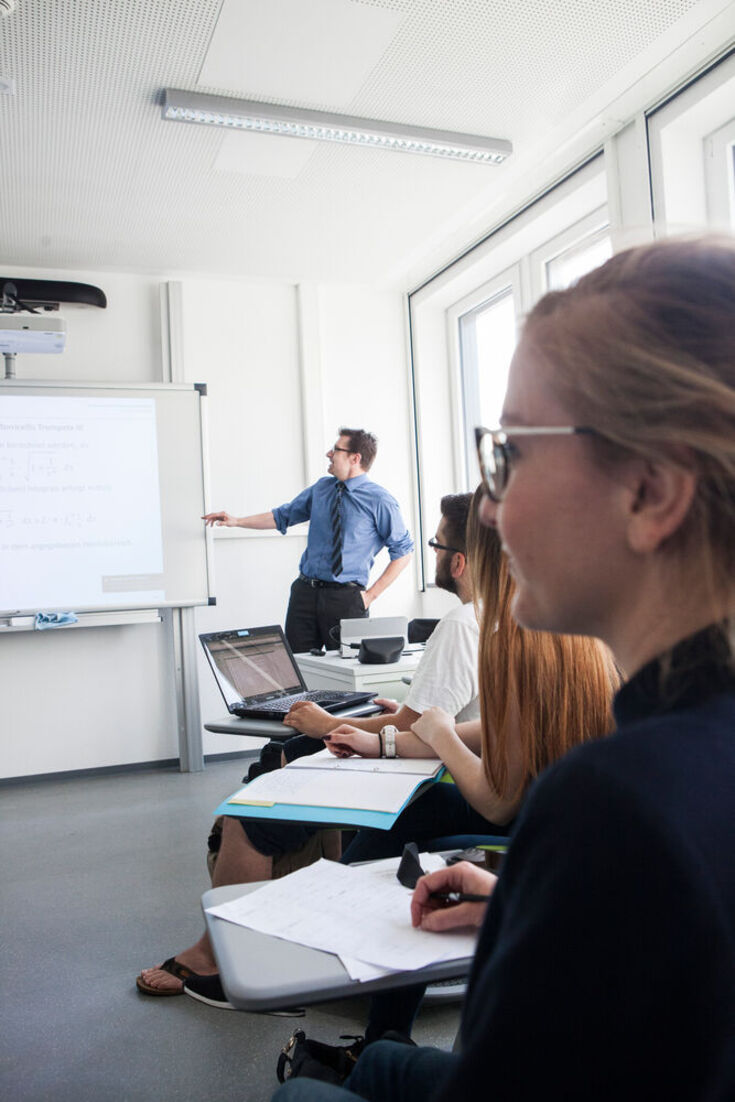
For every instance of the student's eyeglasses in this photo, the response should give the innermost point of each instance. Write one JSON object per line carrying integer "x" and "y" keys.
{"x": 436, "y": 546}
{"x": 340, "y": 450}
{"x": 495, "y": 451}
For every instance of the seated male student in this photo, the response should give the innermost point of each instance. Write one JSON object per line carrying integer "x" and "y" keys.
{"x": 447, "y": 674}
{"x": 446, "y": 677}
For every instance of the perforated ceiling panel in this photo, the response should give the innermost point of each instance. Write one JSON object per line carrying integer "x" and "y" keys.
{"x": 91, "y": 177}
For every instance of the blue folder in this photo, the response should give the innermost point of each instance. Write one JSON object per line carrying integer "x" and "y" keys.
{"x": 327, "y": 816}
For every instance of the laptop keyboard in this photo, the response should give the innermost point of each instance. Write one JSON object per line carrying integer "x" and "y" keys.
{"x": 319, "y": 696}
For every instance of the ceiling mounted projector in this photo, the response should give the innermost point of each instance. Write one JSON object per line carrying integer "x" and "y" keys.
{"x": 31, "y": 333}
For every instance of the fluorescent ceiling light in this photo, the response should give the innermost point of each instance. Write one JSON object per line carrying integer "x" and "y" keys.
{"x": 293, "y": 122}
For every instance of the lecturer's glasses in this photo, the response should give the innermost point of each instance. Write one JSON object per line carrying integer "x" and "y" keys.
{"x": 495, "y": 451}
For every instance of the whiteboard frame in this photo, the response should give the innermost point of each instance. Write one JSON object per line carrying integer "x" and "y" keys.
{"x": 16, "y": 384}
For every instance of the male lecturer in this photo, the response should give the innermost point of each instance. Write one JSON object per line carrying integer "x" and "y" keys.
{"x": 351, "y": 520}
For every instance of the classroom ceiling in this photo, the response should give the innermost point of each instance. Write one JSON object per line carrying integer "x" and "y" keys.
{"x": 91, "y": 177}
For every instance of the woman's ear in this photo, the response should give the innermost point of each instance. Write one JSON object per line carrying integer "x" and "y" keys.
{"x": 661, "y": 500}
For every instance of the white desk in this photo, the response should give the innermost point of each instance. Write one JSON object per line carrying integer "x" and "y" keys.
{"x": 332, "y": 672}
{"x": 266, "y": 973}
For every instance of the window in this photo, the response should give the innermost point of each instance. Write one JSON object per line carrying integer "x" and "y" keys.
{"x": 576, "y": 261}
{"x": 487, "y": 321}
{"x": 464, "y": 323}
{"x": 719, "y": 170}
{"x": 487, "y": 339}
{"x": 483, "y": 327}
{"x": 691, "y": 140}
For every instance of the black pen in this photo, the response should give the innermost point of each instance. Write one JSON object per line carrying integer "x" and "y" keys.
{"x": 459, "y": 897}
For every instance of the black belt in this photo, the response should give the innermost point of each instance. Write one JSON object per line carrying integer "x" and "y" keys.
{"x": 317, "y": 583}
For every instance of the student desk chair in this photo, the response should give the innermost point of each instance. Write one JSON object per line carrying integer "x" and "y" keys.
{"x": 260, "y": 972}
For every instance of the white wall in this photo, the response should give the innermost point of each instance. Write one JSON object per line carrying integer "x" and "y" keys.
{"x": 284, "y": 367}
{"x": 288, "y": 366}
{"x": 82, "y": 698}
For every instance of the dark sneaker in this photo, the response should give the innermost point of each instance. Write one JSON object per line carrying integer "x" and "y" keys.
{"x": 209, "y": 990}
{"x": 302, "y": 1057}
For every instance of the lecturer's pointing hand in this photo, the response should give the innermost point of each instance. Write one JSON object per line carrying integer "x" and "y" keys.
{"x": 219, "y": 519}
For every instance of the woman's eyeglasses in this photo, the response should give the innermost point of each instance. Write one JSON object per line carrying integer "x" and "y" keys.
{"x": 436, "y": 546}
{"x": 495, "y": 451}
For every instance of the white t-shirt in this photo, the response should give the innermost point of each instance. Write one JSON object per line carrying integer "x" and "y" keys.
{"x": 446, "y": 677}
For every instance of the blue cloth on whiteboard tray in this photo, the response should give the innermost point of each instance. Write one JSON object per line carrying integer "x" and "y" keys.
{"x": 46, "y": 620}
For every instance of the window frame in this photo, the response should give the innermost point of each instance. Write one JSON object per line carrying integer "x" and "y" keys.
{"x": 464, "y": 383}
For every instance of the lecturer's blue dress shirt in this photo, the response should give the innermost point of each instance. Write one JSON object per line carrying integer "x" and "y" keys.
{"x": 371, "y": 520}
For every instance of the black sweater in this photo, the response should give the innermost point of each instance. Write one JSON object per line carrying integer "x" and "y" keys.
{"x": 605, "y": 969}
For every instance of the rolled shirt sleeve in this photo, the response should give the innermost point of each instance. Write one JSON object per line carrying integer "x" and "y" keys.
{"x": 392, "y": 528}
{"x": 294, "y": 512}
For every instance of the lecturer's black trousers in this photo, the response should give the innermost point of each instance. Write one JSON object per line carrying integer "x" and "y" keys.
{"x": 312, "y": 611}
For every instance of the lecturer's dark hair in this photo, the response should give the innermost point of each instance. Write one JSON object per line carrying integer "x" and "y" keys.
{"x": 363, "y": 442}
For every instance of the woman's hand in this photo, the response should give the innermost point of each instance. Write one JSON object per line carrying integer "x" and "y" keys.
{"x": 308, "y": 718}
{"x": 345, "y": 741}
{"x": 435, "y": 914}
{"x": 434, "y": 727}
{"x": 387, "y": 704}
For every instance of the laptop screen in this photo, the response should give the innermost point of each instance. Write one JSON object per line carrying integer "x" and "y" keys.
{"x": 252, "y": 665}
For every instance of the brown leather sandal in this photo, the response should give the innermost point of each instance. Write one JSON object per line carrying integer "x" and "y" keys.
{"x": 180, "y": 971}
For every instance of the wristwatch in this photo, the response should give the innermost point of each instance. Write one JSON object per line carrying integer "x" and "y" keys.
{"x": 389, "y": 733}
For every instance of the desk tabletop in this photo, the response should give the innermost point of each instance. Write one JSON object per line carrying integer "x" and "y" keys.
{"x": 288, "y": 974}
{"x": 273, "y": 728}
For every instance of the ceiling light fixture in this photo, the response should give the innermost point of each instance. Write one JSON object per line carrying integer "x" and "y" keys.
{"x": 294, "y": 122}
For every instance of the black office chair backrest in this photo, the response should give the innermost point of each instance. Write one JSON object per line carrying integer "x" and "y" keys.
{"x": 420, "y": 630}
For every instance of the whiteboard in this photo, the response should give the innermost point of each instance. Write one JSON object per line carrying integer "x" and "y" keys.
{"x": 102, "y": 490}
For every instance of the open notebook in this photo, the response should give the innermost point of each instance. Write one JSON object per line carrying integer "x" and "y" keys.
{"x": 345, "y": 784}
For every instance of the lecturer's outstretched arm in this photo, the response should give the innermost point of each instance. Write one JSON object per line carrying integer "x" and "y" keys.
{"x": 226, "y": 520}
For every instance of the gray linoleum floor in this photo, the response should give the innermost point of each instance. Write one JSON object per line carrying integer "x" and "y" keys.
{"x": 102, "y": 876}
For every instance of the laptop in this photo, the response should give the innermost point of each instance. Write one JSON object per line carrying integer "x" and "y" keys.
{"x": 258, "y": 677}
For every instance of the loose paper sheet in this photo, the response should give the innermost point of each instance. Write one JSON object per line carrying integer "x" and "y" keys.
{"x": 359, "y": 912}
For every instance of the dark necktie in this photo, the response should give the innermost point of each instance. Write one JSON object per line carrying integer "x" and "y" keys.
{"x": 339, "y": 490}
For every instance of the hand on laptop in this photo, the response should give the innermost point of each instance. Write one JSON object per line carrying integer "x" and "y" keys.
{"x": 387, "y": 704}
{"x": 345, "y": 741}
{"x": 308, "y": 718}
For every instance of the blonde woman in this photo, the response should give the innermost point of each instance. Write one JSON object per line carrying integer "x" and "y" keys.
{"x": 605, "y": 967}
{"x": 540, "y": 695}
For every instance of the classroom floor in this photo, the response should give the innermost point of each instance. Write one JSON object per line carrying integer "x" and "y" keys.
{"x": 102, "y": 876}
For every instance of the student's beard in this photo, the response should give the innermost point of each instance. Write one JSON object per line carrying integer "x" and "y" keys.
{"x": 443, "y": 578}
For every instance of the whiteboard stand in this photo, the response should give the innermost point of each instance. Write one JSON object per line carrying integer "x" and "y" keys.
{"x": 186, "y": 686}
